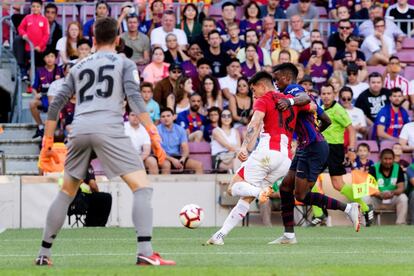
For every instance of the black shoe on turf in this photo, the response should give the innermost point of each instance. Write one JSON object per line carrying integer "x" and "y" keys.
{"x": 369, "y": 216}
{"x": 43, "y": 260}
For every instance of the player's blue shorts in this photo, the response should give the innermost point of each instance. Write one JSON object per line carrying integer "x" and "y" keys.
{"x": 311, "y": 161}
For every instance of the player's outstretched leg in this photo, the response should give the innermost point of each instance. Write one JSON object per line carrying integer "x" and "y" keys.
{"x": 142, "y": 219}
{"x": 56, "y": 217}
{"x": 233, "y": 219}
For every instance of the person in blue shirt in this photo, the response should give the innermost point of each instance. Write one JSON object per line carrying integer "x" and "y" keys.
{"x": 175, "y": 144}
{"x": 191, "y": 120}
{"x": 102, "y": 10}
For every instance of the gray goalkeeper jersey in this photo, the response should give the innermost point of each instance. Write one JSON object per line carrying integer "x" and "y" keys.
{"x": 100, "y": 82}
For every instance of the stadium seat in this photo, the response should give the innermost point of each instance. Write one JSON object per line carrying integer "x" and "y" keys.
{"x": 96, "y": 164}
{"x": 386, "y": 144}
{"x": 215, "y": 12}
{"x": 409, "y": 73}
{"x": 373, "y": 145}
{"x": 379, "y": 68}
{"x": 374, "y": 156}
{"x": 322, "y": 12}
{"x": 408, "y": 43}
{"x": 406, "y": 56}
{"x": 407, "y": 157}
{"x": 201, "y": 151}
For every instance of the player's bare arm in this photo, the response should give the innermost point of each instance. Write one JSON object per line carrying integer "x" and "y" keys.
{"x": 300, "y": 100}
{"x": 252, "y": 131}
{"x": 325, "y": 121}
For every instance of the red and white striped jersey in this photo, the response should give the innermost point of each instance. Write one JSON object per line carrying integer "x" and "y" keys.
{"x": 400, "y": 82}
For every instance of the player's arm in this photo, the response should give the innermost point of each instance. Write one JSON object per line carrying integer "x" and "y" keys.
{"x": 352, "y": 139}
{"x": 300, "y": 99}
{"x": 252, "y": 130}
{"x": 137, "y": 104}
{"x": 324, "y": 120}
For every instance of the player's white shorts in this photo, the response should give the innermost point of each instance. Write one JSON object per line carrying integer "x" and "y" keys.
{"x": 264, "y": 167}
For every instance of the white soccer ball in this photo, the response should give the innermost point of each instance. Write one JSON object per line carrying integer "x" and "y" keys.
{"x": 191, "y": 216}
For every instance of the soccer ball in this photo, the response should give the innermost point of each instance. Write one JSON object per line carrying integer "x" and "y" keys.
{"x": 191, "y": 216}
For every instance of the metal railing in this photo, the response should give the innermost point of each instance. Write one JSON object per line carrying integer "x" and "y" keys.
{"x": 3, "y": 162}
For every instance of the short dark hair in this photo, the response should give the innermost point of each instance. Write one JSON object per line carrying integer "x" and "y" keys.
{"x": 261, "y": 75}
{"x": 250, "y": 30}
{"x": 234, "y": 60}
{"x": 167, "y": 109}
{"x": 203, "y": 61}
{"x": 51, "y": 6}
{"x": 100, "y": 2}
{"x": 83, "y": 41}
{"x": 315, "y": 31}
{"x": 213, "y": 32}
{"x": 378, "y": 19}
{"x": 396, "y": 90}
{"x": 146, "y": 84}
{"x": 213, "y": 109}
{"x": 326, "y": 84}
{"x": 393, "y": 57}
{"x": 374, "y": 75}
{"x": 106, "y": 30}
{"x": 153, "y": 3}
{"x": 285, "y": 52}
{"x": 227, "y": 4}
{"x": 318, "y": 42}
{"x": 287, "y": 68}
{"x": 130, "y": 16}
{"x": 345, "y": 20}
{"x": 363, "y": 145}
{"x": 37, "y": 1}
{"x": 387, "y": 151}
{"x": 346, "y": 89}
{"x": 208, "y": 18}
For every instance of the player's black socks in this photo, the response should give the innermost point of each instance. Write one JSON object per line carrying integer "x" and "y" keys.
{"x": 287, "y": 206}
{"x": 323, "y": 201}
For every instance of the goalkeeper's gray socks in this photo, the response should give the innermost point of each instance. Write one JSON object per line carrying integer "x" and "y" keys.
{"x": 54, "y": 221}
{"x": 142, "y": 218}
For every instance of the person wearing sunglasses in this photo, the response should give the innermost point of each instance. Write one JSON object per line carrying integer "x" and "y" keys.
{"x": 359, "y": 121}
{"x": 336, "y": 41}
{"x": 352, "y": 80}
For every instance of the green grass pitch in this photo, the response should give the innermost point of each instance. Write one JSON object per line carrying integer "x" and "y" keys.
{"x": 385, "y": 250}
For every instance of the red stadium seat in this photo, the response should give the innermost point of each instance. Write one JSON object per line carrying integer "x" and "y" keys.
{"x": 380, "y": 69}
{"x": 406, "y": 56}
{"x": 409, "y": 73}
{"x": 201, "y": 151}
{"x": 408, "y": 43}
{"x": 96, "y": 164}
{"x": 386, "y": 144}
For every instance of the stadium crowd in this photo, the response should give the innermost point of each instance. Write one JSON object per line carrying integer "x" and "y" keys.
{"x": 194, "y": 72}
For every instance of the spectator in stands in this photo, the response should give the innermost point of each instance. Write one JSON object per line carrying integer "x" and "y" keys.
{"x": 137, "y": 41}
{"x": 319, "y": 71}
{"x": 216, "y": 55}
{"x": 192, "y": 120}
{"x": 336, "y": 41}
{"x": 127, "y": 9}
{"x": 338, "y": 11}
{"x": 44, "y": 77}
{"x": 264, "y": 55}
{"x": 157, "y": 69}
{"x": 229, "y": 15}
{"x": 274, "y": 10}
{"x": 391, "y": 117}
{"x": 241, "y": 105}
{"x": 210, "y": 93}
{"x": 84, "y": 48}
{"x": 189, "y": 66}
{"x": 363, "y": 13}
{"x": 56, "y": 85}
{"x": 55, "y": 30}
{"x": 252, "y": 19}
{"x": 174, "y": 53}
{"x": 67, "y": 45}
{"x": 410, "y": 192}
{"x": 234, "y": 44}
{"x": 307, "y": 83}
{"x": 153, "y": 107}
{"x": 390, "y": 179}
{"x": 284, "y": 57}
{"x": 351, "y": 55}
{"x": 398, "y": 152}
{"x": 225, "y": 143}
{"x": 101, "y": 11}
{"x": 353, "y": 76}
{"x": 374, "y": 98}
{"x": 306, "y": 10}
{"x": 300, "y": 38}
{"x": 166, "y": 87}
{"x": 401, "y": 10}
{"x": 251, "y": 65}
{"x": 284, "y": 40}
{"x": 362, "y": 161}
{"x": 228, "y": 84}
{"x": 315, "y": 35}
{"x": 337, "y": 83}
{"x": 175, "y": 144}
{"x": 159, "y": 34}
{"x": 141, "y": 142}
{"x": 181, "y": 97}
{"x": 390, "y": 29}
{"x": 394, "y": 79}
{"x": 208, "y": 24}
{"x": 270, "y": 38}
{"x": 213, "y": 117}
{"x": 203, "y": 69}
{"x": 34, "y": 27}
{"x": 378, "y": 47}
{"x": 359, "y": 121}
{"x": 189, "y": 24}
{"x": 407, "y": 138}
{"x": 157, "y": 10}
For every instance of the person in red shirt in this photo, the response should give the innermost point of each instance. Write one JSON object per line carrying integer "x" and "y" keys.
{"x": 272, "y": 157}
{"x": 35, "y": 27}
